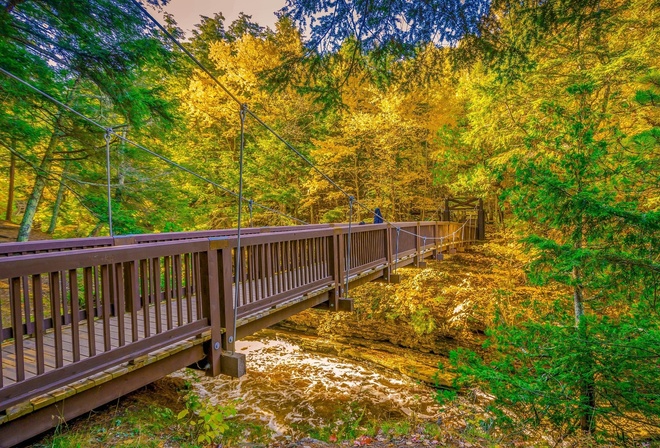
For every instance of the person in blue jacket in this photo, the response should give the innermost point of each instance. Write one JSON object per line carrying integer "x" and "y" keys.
{"x": 378, "y": 218}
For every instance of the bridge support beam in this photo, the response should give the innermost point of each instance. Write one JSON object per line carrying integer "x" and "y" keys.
{"x": 33, "y": 424}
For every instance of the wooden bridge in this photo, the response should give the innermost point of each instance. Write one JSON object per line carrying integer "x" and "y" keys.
{"x": 85, "y": 321}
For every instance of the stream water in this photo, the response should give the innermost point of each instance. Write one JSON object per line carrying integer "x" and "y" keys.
{"x": 287, "y": 388}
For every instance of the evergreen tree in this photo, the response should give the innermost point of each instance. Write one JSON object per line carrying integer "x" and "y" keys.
{"x": 576, "y": 127}
{"x": 98, "y": 47}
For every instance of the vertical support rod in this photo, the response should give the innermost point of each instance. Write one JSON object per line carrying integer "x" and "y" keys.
{"x": 348, "y": 249}
{"x": 250, "y": 205}
{"x": 108, "y": 132}
{"x": 239, "y": 262}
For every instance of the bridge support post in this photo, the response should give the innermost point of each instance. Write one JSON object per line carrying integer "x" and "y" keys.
{"x": 211, "y": 282}
{"x": 226, "y": 298}
{"x": 336, "y": 263}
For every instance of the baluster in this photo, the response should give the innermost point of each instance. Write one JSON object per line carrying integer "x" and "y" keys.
{"x": 144, "y": 292}
{"x": 16, "y": 311}
{"x": 167, "y": 266}
{"x": 88, "y": 285}
{"x": 75, "y": 314}
{"x": 156, "y": 289}
{"x": 120, "y": 300}
{"x": 107, "y": 298}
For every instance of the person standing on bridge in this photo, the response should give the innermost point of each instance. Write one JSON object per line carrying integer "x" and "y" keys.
{"x": 378, "y": 218}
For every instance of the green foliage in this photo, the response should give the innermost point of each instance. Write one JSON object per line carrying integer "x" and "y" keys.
{"x": 346, "y": 425}
{"x": 422, "y": 321}
{"x": 204, "y": 422}
{"x": 577, "y": 166}
{"x": 538, "y": 370}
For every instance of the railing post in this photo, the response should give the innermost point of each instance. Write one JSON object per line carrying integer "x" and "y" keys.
{"x": 338, "y": 266}
{"x": 435, "y": 240}
{"x": 210, "y": 282}
{"x": 419, "y": 257}
{"x": 388, "y": 252}
{"x": 226, "y": 297}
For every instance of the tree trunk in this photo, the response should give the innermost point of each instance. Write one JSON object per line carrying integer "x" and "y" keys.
{"x": 96, "y": 229}
{"x": 587, "y": 382}
{"x": 12, "y": 4}
{"x": 10, "y": 193}
{"x": 58, "y": 203}
{"x": 39, "y": 185}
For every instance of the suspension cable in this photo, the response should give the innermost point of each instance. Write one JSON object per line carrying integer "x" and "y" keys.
{"x": 40, "y": 171}
{"x": 188, "y": 53}
{"x": 107, "y": 168}
{"x": 301, "y": 155}
{"x": 139, "y": 146}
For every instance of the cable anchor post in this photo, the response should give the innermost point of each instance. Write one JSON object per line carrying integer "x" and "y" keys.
{"x": 108, "y": 135}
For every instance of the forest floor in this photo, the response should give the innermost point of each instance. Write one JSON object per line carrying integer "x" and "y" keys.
{"x": 408, "y": 327}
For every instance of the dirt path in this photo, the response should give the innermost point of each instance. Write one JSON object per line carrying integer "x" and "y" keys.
{"x": 9, "y": 232}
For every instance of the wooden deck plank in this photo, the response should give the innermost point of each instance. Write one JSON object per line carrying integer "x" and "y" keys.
{"x": 68, "y": 341}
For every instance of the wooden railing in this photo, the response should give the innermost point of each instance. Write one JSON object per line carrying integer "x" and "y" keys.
{"x": 73, "y": 308}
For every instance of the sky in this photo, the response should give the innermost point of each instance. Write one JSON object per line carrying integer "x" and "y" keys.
{"x": 187, "y": 12}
